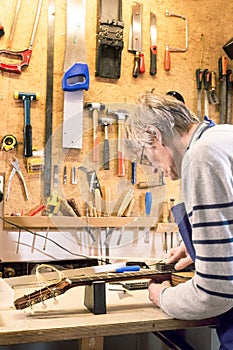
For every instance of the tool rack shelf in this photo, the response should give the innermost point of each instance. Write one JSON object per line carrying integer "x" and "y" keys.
{"x": 54, "y": 222}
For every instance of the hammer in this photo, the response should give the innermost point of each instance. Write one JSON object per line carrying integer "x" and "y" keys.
{"x": 27, "y": 97}
{"x": 121, "y": 115}
{"x": 106, "y": 122}
{"x": 95, "y": 107}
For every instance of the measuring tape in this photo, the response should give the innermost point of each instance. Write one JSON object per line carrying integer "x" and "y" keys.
{"x": 9, "y": 142}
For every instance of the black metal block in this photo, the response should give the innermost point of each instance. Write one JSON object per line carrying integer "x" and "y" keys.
{"x": 95, "y": 297}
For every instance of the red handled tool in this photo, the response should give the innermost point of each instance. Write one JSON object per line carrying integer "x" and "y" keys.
{"x": 25, "y": 55}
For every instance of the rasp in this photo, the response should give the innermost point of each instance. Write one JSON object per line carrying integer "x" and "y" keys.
{"x": 76, "y": 77}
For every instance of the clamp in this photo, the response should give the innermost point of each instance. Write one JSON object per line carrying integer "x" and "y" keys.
{"x": 16, "y": 169}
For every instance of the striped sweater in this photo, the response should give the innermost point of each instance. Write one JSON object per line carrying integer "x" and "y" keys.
{"x": 207, "y": 185}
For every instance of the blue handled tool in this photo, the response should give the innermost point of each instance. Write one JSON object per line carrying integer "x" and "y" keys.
{"x": 128, "y": 268}
{"x": 76, "y": 78}
{"x": 148, "y": 203}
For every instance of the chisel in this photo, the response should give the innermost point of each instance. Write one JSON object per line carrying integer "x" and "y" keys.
{"x": 199, "y": 85}
{"x": 206, "y": 79}
{"x": 222, "y": 68}
{"x": 229, "y": 97}
{"x": 125, "y": 202}
{"x": 212, "y": 95}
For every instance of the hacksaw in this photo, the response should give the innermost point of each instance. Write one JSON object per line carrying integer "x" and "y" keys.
{"x": 76, "y": 77}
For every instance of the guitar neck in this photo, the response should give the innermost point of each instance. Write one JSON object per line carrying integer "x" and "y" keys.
{"x": 53, "y": 290}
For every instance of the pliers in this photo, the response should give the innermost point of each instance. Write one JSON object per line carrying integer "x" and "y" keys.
{"x": 16, "y": 169}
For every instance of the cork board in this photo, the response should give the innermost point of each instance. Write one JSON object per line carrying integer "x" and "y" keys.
{"x": 209, "y": 25}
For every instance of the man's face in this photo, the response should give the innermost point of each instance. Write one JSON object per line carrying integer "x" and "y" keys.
{"x": 162, "y": 159}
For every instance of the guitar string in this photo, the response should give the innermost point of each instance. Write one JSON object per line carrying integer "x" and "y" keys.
{"x": 41, "y": 279}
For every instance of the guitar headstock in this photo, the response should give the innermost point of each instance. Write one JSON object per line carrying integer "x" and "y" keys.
{"x": 39, "y": 296}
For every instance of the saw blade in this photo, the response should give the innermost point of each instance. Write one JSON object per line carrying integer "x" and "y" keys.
{"x": 76, "y": 76}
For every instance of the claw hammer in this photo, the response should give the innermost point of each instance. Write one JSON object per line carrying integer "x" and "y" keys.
{"x": 95, "y": 107}
{"x": 27, "y": 97}
{"x": 121, "y": 115}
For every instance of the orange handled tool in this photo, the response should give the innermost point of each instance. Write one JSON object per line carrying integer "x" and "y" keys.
{"x": 167, "y": 58}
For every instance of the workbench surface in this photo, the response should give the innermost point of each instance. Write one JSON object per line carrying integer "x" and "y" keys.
{"x": 128, "y": 312}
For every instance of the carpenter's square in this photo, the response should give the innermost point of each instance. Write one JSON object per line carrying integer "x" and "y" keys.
{"x": 76, "y": 77}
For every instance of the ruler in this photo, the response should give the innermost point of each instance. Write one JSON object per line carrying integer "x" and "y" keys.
{"x": 76, "y": 76}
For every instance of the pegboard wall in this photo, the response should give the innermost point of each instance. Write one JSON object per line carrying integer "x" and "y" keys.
{"x": 209, "y": 28}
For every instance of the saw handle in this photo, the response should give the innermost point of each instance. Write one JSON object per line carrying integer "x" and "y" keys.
{"x": 76, "y": 78}
{"x": 153, "y": 60}
{"x": 136, "y": 68}
{"x": 142, "y": 68}
{"x": 24, "y": 56}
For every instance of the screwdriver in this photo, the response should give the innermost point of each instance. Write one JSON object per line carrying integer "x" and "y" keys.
{"x": 148, "y": 203}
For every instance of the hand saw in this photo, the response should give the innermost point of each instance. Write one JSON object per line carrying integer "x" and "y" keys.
{"x": 24, "y": 55}
{"x": 135, "y": 39}
{"x": 76, "y": 77}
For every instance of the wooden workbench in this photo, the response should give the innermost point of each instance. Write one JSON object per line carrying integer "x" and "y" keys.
{"x": 127, "y": 313}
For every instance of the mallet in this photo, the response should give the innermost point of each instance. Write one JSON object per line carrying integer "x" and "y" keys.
{"x": 27, "y": 97}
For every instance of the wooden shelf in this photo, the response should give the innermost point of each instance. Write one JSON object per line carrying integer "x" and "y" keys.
{"x": 40, "y": 222}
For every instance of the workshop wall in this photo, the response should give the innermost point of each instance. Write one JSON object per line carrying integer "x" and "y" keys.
{"x": 209, "y": 28}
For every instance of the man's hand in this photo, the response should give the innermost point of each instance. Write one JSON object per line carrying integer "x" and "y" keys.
{"x": 155, "y": 289}
{"x": 181, "y": 255}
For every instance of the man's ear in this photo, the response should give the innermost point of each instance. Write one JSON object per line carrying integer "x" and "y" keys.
{"x": 153, "y": 130}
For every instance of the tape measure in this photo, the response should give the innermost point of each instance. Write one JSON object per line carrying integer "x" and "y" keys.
{"x": 9, "y": 142}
